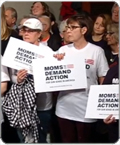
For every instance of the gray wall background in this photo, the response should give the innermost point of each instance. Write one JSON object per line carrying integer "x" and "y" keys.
{"x": 23, "y": 8}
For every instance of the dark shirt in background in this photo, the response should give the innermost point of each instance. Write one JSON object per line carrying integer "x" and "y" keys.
{"x": 5, "y": 42}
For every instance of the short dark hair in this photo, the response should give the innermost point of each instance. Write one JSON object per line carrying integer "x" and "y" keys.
{"x": 45, "y": 6}
{"x": 83, "y": 21}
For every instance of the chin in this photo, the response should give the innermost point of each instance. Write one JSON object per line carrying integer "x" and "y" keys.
{"x": 27, "y": 40}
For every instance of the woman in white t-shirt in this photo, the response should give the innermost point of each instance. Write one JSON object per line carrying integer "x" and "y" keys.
{"x": 71, "y": 105}
{"x": 4, "y": 81}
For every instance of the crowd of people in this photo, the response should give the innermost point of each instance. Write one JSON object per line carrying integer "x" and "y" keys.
{"x": 61, "y": 115}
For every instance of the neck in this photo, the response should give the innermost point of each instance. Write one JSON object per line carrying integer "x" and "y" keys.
{"x": 45, "y": 35}
{"x": 12, "y": 25}
{"x": 97, "y": 37}
{"x": 114, "y": 48}
{"x": 36, "y": 43}
{"x": 80, "y": 44}
{"x": 65, "y": 42}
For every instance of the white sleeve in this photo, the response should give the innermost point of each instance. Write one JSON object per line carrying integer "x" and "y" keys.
{"x": 13, "y": 75}
{"x": 4, "y": 74}
{"x": 102, "y": 64}
{"x": 61, "y": 50}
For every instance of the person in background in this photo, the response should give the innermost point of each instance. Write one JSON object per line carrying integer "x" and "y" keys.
{"x": 71, "y": 105}
{"x": 115, "y": 13}
{"x": 99, "y": 30}
{"x": 112, "y": 37}
{"x": 52, "y": 40}
{"x": 63, "y": 33}
{"x": 112, "y": 77}
{"x": 6, "y": 32}
{"x": 38, "y": 8}
{"x": 54, "y": 24}
{"x": 11, "y": 17}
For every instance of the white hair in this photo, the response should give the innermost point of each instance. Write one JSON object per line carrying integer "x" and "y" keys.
{"x": 62, "y": 26}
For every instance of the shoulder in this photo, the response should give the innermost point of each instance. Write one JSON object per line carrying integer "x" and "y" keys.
{"x": 15, "y": 34}
{"x": 66, "y": 47}
{"x": 45, "y": 47}
{"x": 95, "y": 48}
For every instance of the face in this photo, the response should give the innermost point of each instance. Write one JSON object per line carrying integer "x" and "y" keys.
{"x": 45, "y": 22}
{"x": 37, "y": 9}
{"x": 31, "y": 36}
{"x": 115, "y": 14}
{"x": 74, "y": 32}
{"x": 8, "y": 16}
{"x": 98, "y": 26}
{"x": 65, "y": 37}
{"x": 110, "y": 38}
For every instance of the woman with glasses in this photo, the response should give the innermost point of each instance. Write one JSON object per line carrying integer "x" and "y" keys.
{"x": 112, "y": 37}
{"x": 32, "y": 31}
{"x": 71, "y": 105}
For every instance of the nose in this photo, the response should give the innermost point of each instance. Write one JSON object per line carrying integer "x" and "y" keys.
{"x": 107, "y": 35}
{"x": 98, "y": 26}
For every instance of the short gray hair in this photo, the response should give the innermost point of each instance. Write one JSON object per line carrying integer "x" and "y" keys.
{"x": 113, "y": 27}
{"x": 62, "y": 26}
{"x": 14, "y": 12}
{"x": 114, "y": 5}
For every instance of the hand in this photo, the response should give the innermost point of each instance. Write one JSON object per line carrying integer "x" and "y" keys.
{"x": 59, "y": 56}
{"x": 110, "y": 119}
{"x": 21, "y": 75}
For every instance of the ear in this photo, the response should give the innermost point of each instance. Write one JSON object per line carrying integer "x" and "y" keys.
{"x": 61, "y": 35}
{"x": 84, "y": 30}
{"x": 13, "y": 20}
{"x": 45, "y": 27}
{"x": 52, "y": 23}
{"x": 40, "y": 33}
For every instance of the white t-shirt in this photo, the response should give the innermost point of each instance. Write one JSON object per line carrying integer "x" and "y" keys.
{"x": 4, "y": 73}
{"x": 71, "y": 104}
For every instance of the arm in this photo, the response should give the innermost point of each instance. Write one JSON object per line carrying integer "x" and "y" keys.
{"x": 102, "y": 66}
{"x": 101, "y": 79}
{"x": 3, "y": 88}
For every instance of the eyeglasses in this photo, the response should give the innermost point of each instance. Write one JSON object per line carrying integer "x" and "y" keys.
{"x": 109, "y": 33}
{"x": 71, "y": 27}
{"x": 116, "y": 12}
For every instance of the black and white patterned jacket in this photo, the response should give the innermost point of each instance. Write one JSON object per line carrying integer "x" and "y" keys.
{"x": 20, "y": 107}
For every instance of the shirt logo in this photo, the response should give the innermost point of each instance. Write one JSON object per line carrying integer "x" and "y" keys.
{"x": 89, "y": 61}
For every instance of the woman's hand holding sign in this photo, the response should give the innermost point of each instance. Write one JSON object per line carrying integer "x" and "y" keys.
{"x": 110, "y": 119}
{"x": 21, "y": 75}
{"x": 59, "y": 56}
